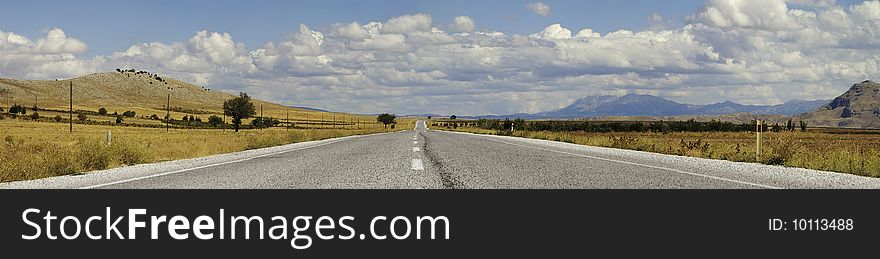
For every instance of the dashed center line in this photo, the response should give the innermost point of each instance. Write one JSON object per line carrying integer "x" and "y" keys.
{"x": 417, "y": 149}
{"x": 415, "y": 142}
{"x": 417, "y": 165}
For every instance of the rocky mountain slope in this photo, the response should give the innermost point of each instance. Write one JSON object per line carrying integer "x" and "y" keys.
{"x": 858, "y": 107}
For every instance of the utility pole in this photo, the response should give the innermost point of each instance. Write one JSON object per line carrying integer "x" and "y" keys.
{"x": 322, "y": 121}
{"x": 334, "y": 121}
{"x": 224, "y": 121}
{"x": 261, "y": 117}
{"x": 288, "y": 119}
{"x": 168, "y": 113}
{"x": 70, "y": 112}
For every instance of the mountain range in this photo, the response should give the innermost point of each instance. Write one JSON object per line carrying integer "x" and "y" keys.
{"x": 648, "y": 105}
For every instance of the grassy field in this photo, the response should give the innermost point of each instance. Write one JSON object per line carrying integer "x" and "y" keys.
{"x": 31, "y": 150}
{"x": 846, "y": 151}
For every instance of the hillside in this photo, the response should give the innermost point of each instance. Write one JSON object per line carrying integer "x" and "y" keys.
{"x": 141, "y": 92}
{"x": 858, "y": 107}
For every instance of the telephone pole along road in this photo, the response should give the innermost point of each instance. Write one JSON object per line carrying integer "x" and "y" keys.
{"x": 423, "y": 158}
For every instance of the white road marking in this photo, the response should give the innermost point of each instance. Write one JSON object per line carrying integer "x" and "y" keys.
{"x": 206, "y": 166}
{"x": 415, "y": 142}
{"x": 417, "y": 149}
{"x": 417, "y": 165}
{"x": 637, "y": 164}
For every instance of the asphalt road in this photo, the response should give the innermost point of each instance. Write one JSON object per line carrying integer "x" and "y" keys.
{"x": 423, "y": 158}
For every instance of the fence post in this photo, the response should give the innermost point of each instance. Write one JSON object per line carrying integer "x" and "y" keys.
{"x": 758, "y": 130}
{"x": 109, "y": 138}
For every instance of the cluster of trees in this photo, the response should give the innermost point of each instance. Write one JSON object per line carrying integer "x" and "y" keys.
{"x": 264, "y": 122}
{"x": 789, "y": 126}
{"x": 588, "y": 126}
{"x": 191, "y": 118}
{"x": 17, "y": 109}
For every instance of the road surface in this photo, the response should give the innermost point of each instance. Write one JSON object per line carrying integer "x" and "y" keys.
{"x": 423, "y": 158}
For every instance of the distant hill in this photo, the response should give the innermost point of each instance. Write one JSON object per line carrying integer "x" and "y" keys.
{"x": 858, "y": 107}
{"x": 140, "y": 91}
{"x": 653, "y": 106}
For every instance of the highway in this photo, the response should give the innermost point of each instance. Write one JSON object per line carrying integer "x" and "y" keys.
{"x": 431, "y": 159}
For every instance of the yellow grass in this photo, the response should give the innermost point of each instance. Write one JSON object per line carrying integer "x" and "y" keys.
{"x": 31, "y": 150}
{"x": 854, "y": 153}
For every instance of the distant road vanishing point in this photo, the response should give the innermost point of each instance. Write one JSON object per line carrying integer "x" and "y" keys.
{"x": 425, "y": 158}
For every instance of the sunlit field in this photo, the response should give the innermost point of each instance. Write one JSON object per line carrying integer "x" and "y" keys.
{"x": 31, "y": 150}
{"x": 846, "y": 151}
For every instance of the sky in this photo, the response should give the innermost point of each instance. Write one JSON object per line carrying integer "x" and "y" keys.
{"x": 457, "y": 57}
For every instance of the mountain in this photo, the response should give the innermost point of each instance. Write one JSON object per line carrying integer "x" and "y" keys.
{"x": 858, "y": 107}
{"x": 648, "y": 105}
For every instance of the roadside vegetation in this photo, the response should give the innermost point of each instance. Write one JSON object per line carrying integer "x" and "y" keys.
{"x": 792, "y": 144}
{"x": 36, "y": 142}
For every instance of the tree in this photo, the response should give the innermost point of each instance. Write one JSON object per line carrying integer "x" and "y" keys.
{"x": 130, "y": 114}
{"x": 102, "y": 111}
{"x": 239, "y": 108}
{"x": 803, "y": 126}
{"x": 118, "y": 119}
{"x": 386, "y": 119}
{"x": 35, "y": 116}
{"x": 215, "y": 120}
{"x": 185, "y": 118}
{"x": 58, "y": 118}
{"x": 82, "y": 117}
{"x": 452, "y": 117}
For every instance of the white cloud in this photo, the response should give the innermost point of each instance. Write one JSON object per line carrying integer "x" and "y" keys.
{"x": 408, "y": 23}
{"x": 462, "y": 24}
{"x": 539, "y": 8}
{"x": 554, "y": 31}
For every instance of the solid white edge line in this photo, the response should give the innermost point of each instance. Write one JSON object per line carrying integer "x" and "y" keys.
{"x": 206, "y": 166}
{"x": 417, "y": 165}
{"x": 637, "y": 164}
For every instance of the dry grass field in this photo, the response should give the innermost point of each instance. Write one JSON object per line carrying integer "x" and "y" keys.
{"x": 43, "y": 147}
{"x": 31, "y": 150}
{"x": 846, "y": 151}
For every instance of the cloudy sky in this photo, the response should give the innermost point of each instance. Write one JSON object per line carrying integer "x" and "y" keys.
{"x": 457, "y": 57}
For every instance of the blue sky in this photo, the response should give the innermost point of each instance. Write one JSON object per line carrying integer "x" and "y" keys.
{"x": 456, "y": 56}
{"x": 109, "y": 26}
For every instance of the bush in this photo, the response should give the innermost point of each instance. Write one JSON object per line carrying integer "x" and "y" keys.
{"x": 129, "y": 154}
{"x": 118, "y": 119}
{"x": 783, "y": 149}
{"x": 35, "y": 116}
{"x": 15, "y": 109}
{"x": 215, "y": 120}
{"x": 129, "y": 114}
{"x": 102, "y": 111}
{"x": 58, "y": 118}
{"x": 93, "y": 155}
{"x": 82, "y": 117}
